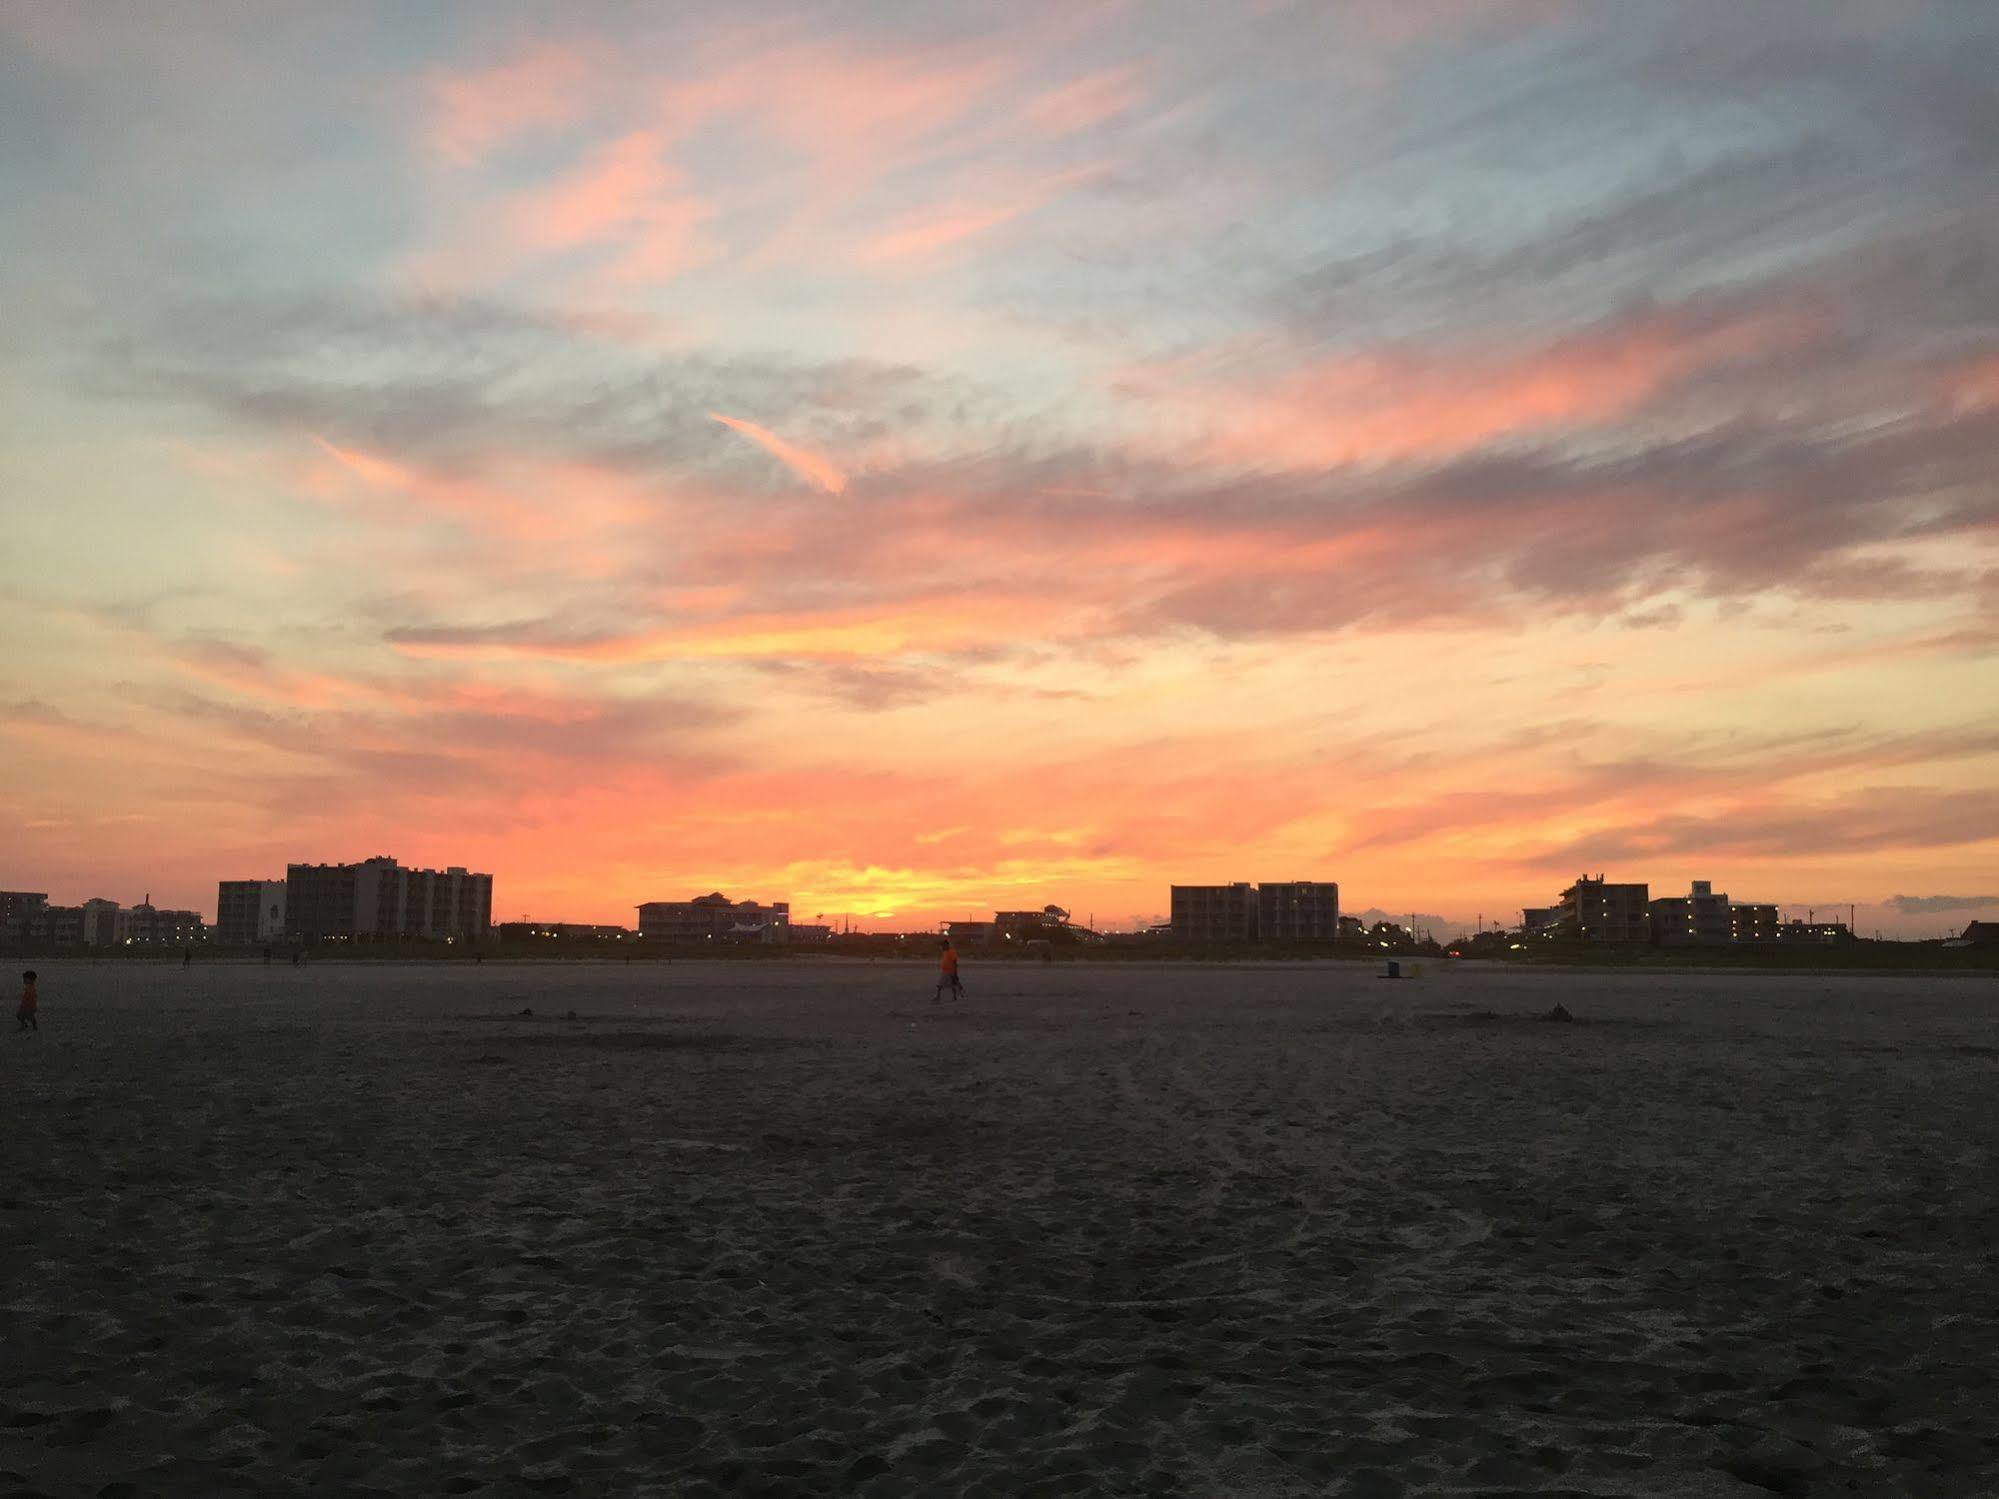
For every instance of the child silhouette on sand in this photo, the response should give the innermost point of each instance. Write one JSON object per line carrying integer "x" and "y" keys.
{"x": 24, "y": 1017}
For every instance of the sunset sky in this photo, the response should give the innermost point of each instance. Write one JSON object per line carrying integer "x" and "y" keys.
{"x": 915, "y": 458}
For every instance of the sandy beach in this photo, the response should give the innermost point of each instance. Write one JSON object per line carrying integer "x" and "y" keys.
{"x": 787, "y": 1228}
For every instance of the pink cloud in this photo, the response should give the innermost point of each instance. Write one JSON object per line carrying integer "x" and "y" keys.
{"x": 808, "y": 465}
{"x": 473, "y": 112}
{"x": 982, "y": 207}
{"x": 626, "y": 195}
{"x": 1084, "y": 102}
{"x": 1390, "y": 405}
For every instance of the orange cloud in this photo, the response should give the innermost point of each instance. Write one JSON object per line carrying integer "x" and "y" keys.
{"x": 379, "y": 472}
{"x": 808, "y": 465}
{"x": 1976, "y": 385}
{"x": 939, "y": 623}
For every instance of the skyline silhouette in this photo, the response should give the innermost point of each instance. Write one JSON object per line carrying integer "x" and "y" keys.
{"x": 907, "y": 457}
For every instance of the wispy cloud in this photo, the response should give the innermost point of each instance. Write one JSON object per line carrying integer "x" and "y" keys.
{"x": 809, "y": 466}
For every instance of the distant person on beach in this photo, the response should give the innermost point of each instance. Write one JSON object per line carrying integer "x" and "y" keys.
{"x": 24, "y": 1018}
{"x": 947, "y": 974}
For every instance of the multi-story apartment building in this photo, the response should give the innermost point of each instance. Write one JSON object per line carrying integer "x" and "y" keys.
{"x": 17, "y": 908}
{"x": 103, "y": 922}
{"x": 379, "y": 898}
{"x": 1275, "y": 911}
{"x": 1214, "y": 913}
{"x": 1704, "y": 916}
{"x": 1752, "y": 921}
{"x": 1297, "y": 911}
{"x": 715, "y": 918}
{"x": 249, "y": 911}
{"x": 1594, "y": 910}
{"x": 1698, "y": 916}
{"x": 32, "y": 919}
{"x": 59, "y": 926}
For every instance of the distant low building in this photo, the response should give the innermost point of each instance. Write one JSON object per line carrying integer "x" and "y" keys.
{"x": 548, "y": 931}
{"x": 715, "y": 918}
{"x": 248, "y": 912}
{"x": 147, "y": 926}
{"x": 1025, "y": 926}
{"x": 809, "y": 931}
{"x": 1814, "y": 931}
{"x": 1539, "y": 918}
{"x": 969, "y": 933}
{"x": 1981, "y": 934}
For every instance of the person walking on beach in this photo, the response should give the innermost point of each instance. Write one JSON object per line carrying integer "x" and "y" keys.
{"x": 24, "y": 1018}
{"x": 947, "y": 974}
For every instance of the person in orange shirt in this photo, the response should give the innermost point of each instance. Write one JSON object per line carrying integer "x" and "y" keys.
{"x": 24, "y": 1017}
{"x": 947, "y": 974}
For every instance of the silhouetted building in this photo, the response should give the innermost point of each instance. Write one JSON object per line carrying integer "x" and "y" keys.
{"x": 379, "y": 898}
{"x": 1214, "y": 913}
{"x": 249, "y": 911}
{"x": 715, "y": 918}
{"x": 1594, "y": 910}
{"x": 806, "y": 931}
{"x": 1981, "y": 934}
{"x": 103, "y": 923}
{"x": 1539, "y": 918}
{"x": 1025, "y": 926}
{"x": 1824, "y": 932}
{"x": 16, "y": 908}
{"x": 50, "y": 926}
{"x": 1703, "y": 916}
{"x": 1297, "y": 911}
{"x": 968, "y": 933}
{"x": 1752, "y": 921}
{"x": 145, "y": 925}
